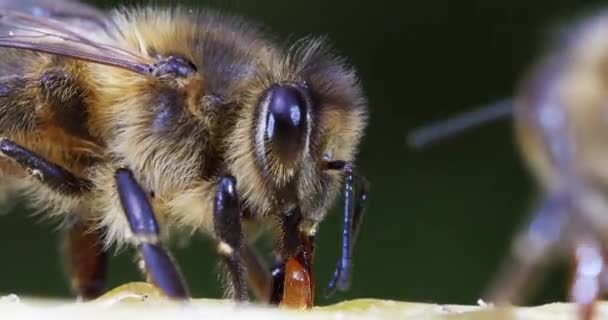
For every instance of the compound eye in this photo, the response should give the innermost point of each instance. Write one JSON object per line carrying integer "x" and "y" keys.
{"x": 286, "y": 121}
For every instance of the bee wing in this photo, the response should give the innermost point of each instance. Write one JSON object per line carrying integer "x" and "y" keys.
{"x": 32, "y": 6}
{"x": 65, "y": 10}
{"x": 58, "y": 36}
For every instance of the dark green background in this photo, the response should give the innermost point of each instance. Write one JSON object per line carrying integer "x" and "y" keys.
{"x": 439, "y": 220}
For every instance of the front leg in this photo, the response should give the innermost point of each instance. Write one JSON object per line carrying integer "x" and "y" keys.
{"x": 160, "y": 267}
{"x": 228, "y": 232}
{"x": 290, "y": 282}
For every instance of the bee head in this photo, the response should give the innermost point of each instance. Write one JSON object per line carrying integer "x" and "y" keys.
{"x": 302, "y": 108}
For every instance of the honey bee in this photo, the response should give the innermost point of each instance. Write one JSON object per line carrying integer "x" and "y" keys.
{"x": 561, "y": 125}
{"x": 144, "y": 122}
{"x": 560, "y": 116}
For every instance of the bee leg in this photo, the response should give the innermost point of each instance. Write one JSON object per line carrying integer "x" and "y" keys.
{"x": 259, "y": 278}
{"x": 530, "y": 251}
{"x": 159, "y": 265}
{"x": 277, "y": 283}
{"x": 86, "y": 259}
{"x": 268, "y": 285}
{"x": 52, "y": 175}
{"x": 589, "y": 267}
{"x": 353, "y": 216}
{"x": 227, "y": 226}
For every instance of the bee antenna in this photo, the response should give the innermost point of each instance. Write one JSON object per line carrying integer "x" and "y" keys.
{"x": 428, "y": 134}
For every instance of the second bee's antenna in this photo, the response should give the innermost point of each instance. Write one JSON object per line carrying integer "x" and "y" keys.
{"x": 423, "y": 136}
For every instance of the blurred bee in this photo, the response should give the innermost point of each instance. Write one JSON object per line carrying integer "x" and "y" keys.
{"x": 561, "y": 124}
{"x": 138, "y": 123}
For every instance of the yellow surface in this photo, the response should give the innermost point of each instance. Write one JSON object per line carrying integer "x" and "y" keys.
{"x": 140, "y": 301}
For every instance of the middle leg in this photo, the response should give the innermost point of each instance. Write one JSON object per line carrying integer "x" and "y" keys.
{"x": 159, "y": 265}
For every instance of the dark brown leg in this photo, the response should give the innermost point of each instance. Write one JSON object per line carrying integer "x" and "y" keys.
{"x": 86, "y": 260}
{"x": 258, "y": 276}
{"x": 267, "y": 284}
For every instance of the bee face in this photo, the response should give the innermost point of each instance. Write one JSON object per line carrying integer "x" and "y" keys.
{"x": 299, "y": 108}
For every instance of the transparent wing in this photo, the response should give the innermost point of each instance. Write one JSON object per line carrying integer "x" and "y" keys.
{"x": 74, "y": 12}
{"x": 58, "y": 36}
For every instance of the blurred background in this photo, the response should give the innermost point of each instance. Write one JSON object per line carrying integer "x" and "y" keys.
{"x": 440, "y": 219}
